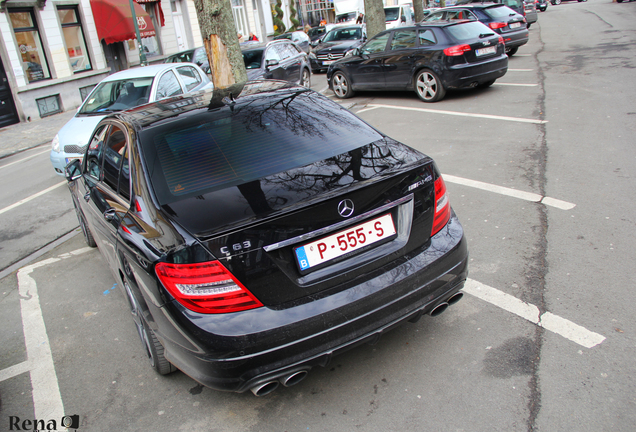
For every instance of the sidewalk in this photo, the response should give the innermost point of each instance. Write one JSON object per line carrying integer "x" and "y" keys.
{"x": 23, "y": 136}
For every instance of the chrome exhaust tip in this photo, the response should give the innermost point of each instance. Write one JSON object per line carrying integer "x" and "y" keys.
{"x": 439, "y": 309}
{"x": 264, "y": 388}
{"x": 455, "y": 298}
{"x": 294, "y": 378}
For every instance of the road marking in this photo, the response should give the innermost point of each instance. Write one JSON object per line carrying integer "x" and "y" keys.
{"x": 501, "y": 190}
{"x": 461, "y": 114}
{"x": 515, "y": 85}
{"x": 520, "y": 70}
{"x": 24, "y": 159}
{"x": 523, "y": 55}
{"x": 47, "y": 400}
{"x": 530, "y": 312}
{"x": 32, "y": 197}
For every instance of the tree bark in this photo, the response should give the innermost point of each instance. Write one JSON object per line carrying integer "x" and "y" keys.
{"x": 376, "y": 21}
{"x": 418, "y": 9}
{"x": 221, "y": 42}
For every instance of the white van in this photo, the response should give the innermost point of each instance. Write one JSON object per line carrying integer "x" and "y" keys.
{"x": 399, "y": 16}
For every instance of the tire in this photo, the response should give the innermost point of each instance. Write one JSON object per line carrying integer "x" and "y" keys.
{"x": 428, "y": 86}
{"x": 512, "y": 51}
{"x": 555, "y": 2}
{"x": 528, "y": 26}
{"x": 305, "y": 78}
{"x": 153, "y": 348}
{"x": 86, "y": 231}
{"x": 341, "y": 85}
{"x": 486, "y": 84}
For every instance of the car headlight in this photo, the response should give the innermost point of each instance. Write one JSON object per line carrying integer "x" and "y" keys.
{"x": 55, "y": 144}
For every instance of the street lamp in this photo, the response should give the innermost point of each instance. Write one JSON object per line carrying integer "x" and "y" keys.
{"x": 142, "y": 54}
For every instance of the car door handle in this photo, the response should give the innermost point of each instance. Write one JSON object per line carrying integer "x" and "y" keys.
{"x": 87, "y": 196}
{"x": 110, "y": 214}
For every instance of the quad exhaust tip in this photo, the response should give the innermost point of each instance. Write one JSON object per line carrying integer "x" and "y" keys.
{"x": 287, "y": 380}
{"x": 440, "y": 308}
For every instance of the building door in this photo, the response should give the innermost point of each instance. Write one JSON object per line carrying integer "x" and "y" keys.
{"x": 8, "y": 113}
{"x": 179, "y": 26}
{"x": 115, "y": 55}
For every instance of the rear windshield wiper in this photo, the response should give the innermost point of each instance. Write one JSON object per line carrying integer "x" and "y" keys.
{"x": 483, "y": 35}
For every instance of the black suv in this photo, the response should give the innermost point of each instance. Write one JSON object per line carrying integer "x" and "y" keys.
{"x": 503, "y": 20}
{"x": 279, "y": 59}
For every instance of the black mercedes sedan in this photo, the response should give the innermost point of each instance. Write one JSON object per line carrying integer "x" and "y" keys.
{"x": 335, "y": 44}
{"x": 428, "y": 58}
{"x": 261, "y": 229}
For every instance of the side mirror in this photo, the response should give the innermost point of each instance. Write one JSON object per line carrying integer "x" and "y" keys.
{"x": 270, "y": 63}
{"x": 73, "y": 170}
{"x": 403, "y": 19}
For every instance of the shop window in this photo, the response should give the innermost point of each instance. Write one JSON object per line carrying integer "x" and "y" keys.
{"x": 49, "y": 105}
{"x": 29, "y": 43}
{"x": 74, "y": 38}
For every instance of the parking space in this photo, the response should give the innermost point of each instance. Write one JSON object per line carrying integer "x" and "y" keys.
{"x": 543, "y": 338}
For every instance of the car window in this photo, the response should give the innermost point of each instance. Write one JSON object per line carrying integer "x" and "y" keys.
{"x": 117, "y": 95}
{"x": 468, "y": 31}
{"x": 499, "y": 12}
{"x": 343, "y": 34}
{"x": 427, "y": 37}
{"x": 200, "y": 56}
{"x": 253, "y": 59}
{"x": 168, "y": 86}
{"x": 92, "y": 164}
{"x": 391, "y": 14}
{"x": 124, "y": 177}
{"x": 435, "y": 16}
{"x": 189, "y": 76}
{"x": 457, "y": 15}
{"x": 284, "y": 51}
{"x": 403, "y": 39}
{"x": 114, "y": 150}
{"x": 272, "y": 54}
{"x": 377, "y": 44}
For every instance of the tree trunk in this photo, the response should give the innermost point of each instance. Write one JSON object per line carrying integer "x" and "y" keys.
{"x": 376, "y": 21}
{"x": 418, "y": 10}
{"x": 221, "y": 42}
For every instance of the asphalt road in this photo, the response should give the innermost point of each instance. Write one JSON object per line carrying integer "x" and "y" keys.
{"x": 540, "y": 171}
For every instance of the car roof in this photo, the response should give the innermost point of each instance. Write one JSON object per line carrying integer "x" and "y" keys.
{"x": 471, "y": 6}
{"x": 143, "y": 72}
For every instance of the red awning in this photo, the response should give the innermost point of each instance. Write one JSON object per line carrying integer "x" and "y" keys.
{"x": 113, "y": 19}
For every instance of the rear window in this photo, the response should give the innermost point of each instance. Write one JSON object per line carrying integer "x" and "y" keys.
{"x": 499, "y": 12}
{"x": 255, "y": 138}
{"x": 468, "y": 31}
{"x": 253, "y": 59}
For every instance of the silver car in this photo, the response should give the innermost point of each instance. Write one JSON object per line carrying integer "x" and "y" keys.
{"x": 118, "y": 92}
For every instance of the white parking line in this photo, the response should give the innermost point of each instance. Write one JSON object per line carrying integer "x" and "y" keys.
{"x": 47, "y": 401}
{"x": 32, "y": 197}
{"x": 501, "y": 190}
{"x": 515, "y": 85}
{"x": 530, "y": 312}
{"x": 24, "y": 159}
{"x": 520, "y": 70}
{"x": 457, "y": 113}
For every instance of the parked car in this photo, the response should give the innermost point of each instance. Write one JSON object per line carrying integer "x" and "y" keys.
{"x": 280, "y": 59}
{"x": 503, "y": 20}
{"x": 399, "y": 16}
{"x": 316, "y": 32}
{"x": 197, "y": 56}
{"x": 335, "y": 44}
{"x": 299, "y": 38}
{"x": 118, "y": 92}
{"x": 541, "y": 5}
{"x": 429, "y": 59}
{"x": 530, "y": 11}
{"x": 249, "y": 254}
{"x": 558, "y": 2}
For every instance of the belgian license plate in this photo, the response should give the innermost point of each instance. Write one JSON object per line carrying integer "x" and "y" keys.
{"x": 327, "y": 62}
{"x": 69, "y": 160}
{"x": 344, "y": 242}
{"x": 515, "y": 25}
{"x": 487, "y": 50}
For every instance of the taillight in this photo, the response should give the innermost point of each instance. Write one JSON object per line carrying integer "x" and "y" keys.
{"x": 497, "y": 25}
{"x": 457, "y": 50}
{"x": 442, "y": 206}
{"x": 501, "y": 41}
{"x": 205, "y": 287}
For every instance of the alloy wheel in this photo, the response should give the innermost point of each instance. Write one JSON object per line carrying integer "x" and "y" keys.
{"x": 340, "y": 85}
{"x": 427, "y": 86}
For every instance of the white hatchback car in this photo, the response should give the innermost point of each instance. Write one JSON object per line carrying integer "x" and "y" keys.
{"x": 118, "y": 92}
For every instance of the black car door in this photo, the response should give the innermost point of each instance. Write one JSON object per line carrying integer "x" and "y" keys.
{"x": 103, "y": 205}
{"x": 291, "y": 61}
{"x": 273, "y": 68}
{"x": 401, "y": 56}
{"x": 368, "y": 73}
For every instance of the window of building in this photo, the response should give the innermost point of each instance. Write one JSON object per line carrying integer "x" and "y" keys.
{"x": 74, "y": 38}
{"x": 49, "y": 105}
{"x": 27, "y": 36}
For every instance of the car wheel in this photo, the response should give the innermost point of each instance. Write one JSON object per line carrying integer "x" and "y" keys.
{"x": 428, "y": 86}
{"x": 154, "y": 349}
{"x": 512, "y": 51}
{"x": 306, "y": 78}
{"x": 528, "y": 26}
{"x": 555, "y": 2}
{"x": 88, "y": 236}
{"x": 486, "y": 84}
{"x": 341, "y": 87}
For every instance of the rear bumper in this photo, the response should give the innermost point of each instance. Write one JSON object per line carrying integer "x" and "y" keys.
{"x": 516, "y": 38}
{"x": 467, "y": 75}
{"x": 238, "y": 351}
